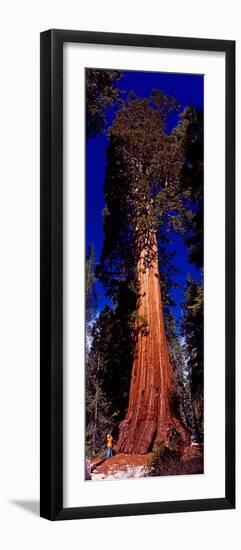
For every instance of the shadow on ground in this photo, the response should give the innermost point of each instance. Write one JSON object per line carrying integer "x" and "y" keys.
{"x": 31, "y": 506}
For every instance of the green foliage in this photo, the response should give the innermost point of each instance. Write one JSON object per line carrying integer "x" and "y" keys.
{"x": 165, "y": 461}
{"x": 142, "y": 187}
{"x": 188, "y": 407}
{"x": 116, "y": 340}
{"x": 168, "y": 461}
{"x": 175, "y": 348}
{"x": 101, "y": 94}
{"x": 190, "y": 133}
{"x": 138, "y": 322}
{"x": 192, "y": 329}
{"x": 167, "y": 269}
{"x": 166, "y": 452}
{"x": 180, "y": 397}
{"x": 108, "y": 371}
{"x": 91, "y": 298}
{"x": 90, "y": 279}
{"x": 98, "y": 422}
{"x": 149, "y": 159}
{"x": 176, "y": 355}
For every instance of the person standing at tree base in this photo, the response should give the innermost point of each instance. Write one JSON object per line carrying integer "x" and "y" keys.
{"x": 109, "y": 443}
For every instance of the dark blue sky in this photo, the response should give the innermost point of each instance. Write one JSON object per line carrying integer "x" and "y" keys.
{"x": 187, "y": 89}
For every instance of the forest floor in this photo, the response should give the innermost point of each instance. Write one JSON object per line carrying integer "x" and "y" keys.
{"x": 120, "y": 466}
{"x": 123, "y": 466}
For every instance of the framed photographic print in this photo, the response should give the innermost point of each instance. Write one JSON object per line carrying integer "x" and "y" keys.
{"x": 137, "y": 274}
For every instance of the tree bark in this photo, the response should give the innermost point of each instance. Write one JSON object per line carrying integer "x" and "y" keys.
{"x": 149, "y": 420}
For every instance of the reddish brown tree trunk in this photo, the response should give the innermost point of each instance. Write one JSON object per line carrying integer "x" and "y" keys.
{"x": 149, "y": 420}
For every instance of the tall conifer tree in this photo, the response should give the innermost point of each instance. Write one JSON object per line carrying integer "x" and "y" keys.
{"x": 143, "y": 195}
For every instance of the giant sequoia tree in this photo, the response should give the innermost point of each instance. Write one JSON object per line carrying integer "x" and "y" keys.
{"x": 143, "y": 196}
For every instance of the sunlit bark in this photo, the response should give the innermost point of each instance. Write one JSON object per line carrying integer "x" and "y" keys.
{"x": 149, "y": 419}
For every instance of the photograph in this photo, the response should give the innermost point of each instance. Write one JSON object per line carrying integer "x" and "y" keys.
{"x": 144, "y": 274}
{"x": 120, "y": 331}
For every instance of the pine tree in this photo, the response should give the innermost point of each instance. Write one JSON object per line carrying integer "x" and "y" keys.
{"x": 90, "y": 293}
{"x": 192, "y": 327}
{"x": 178, "y": 366}
{"x": 97, "y": 406}
{"x": 98, "y": 420}
{"x": 190, "y": 132}
{"x": 115, "y": 341}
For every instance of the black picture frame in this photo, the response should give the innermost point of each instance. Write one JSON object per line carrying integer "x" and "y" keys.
{"x": 51, "y": 323}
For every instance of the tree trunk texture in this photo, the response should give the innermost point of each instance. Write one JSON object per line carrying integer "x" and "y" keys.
{"x": 149, "y": 420}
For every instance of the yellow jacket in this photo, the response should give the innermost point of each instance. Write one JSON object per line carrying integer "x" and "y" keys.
{"x": 109, "y": 441}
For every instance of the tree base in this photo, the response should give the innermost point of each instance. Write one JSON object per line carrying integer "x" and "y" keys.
{"x": 145, "y": 437}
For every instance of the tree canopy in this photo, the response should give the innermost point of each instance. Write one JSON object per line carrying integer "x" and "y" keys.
{"x": 142, "y": 189}
{"x": 101, "y": 93}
